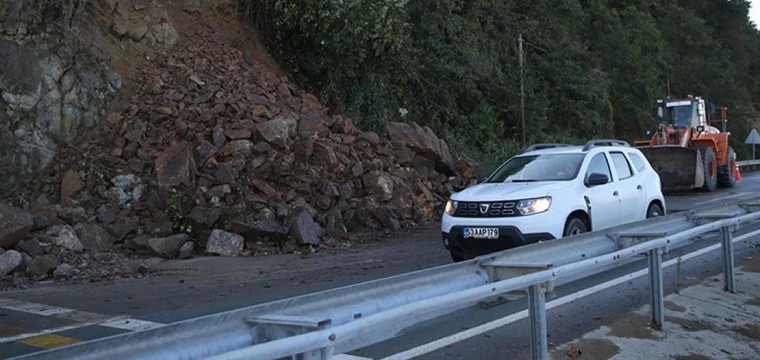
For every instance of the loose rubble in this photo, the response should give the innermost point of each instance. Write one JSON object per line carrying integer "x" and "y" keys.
{"x": 214, "y": 155}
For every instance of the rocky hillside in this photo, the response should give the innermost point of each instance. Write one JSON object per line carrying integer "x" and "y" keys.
{"x": 209, "y": 152}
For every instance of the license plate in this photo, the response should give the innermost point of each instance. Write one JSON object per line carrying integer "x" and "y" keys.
{"x": 481, "y": 233}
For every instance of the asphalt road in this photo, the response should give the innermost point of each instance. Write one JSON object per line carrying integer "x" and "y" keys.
{"x": 57, "y": 314}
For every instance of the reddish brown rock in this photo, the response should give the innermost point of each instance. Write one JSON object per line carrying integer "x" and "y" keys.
{"x": 424, "y": 142}
{"x": 469, "y": 168}
{"x": 175, "y": 166}
{"x": 237, "y": 134}
{"x": 71, "y": 184}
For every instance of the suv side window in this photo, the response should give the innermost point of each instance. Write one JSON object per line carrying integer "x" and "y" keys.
{"x": 637, "y": 162}
{"x": 621, "y": 165}
{"x": 598, "y": 164}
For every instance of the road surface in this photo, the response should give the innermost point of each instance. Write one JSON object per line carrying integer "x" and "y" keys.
{"x": 60, "y": 314}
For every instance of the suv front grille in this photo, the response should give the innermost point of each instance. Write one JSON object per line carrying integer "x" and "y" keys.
{"x": 486, "y": 209}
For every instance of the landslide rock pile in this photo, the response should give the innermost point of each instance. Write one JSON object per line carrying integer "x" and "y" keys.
{"x": 213, "y": 154}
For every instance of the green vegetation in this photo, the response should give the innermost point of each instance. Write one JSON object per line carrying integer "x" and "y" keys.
{"x": 593, "y": 68}
{"x": 178, "y": 204}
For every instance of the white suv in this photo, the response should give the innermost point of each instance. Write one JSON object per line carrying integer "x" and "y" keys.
{"x": 550, "y": 191}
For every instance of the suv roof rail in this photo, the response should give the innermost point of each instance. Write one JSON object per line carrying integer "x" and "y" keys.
{"x": 605, "y": 142}
{"x": 543, "y": 146}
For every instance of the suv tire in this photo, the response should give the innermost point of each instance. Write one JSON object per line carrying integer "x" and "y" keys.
{"x": 575, "y": 226}
{"x": 654, "y": 211}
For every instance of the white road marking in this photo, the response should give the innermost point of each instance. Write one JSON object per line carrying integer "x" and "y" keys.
{"x": 52, "y": 330}
{"x": 32, "y": 308}
{"x": 82, "y": 319}
{"x": 495, "y": 324}
{"x": 132, "y": 324}
{"x": 348, "y": 357}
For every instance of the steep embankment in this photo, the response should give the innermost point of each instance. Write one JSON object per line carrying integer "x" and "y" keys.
{"x": 209, "y": 151}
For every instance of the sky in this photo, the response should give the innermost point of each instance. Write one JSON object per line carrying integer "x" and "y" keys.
{"x": 754, "y": 12}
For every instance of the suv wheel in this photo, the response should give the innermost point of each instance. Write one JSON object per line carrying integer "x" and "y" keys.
{"x": 654, "y": 211}
{"x": 575, "y": 226}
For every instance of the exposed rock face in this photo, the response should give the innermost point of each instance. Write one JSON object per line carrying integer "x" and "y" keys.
{"x": 53, "y": 86}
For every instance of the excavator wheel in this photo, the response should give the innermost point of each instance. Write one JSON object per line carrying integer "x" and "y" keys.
{"x": 710, "y": 166}
{"x": 726, "y": 174}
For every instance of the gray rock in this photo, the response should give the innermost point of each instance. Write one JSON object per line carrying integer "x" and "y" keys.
{"x": 73, "y": 215}
{"x": 10, "y": 261}
{"x": 31, "y": 247}
{"x": 165, "y": 34}
{"x": 138, "y": 33}
{"x": 94, "y": 237}
{"x": 275, "y": 132}
{"x": 124, "y": 181}
{"x": 304, "y": 229}
{"x": 41, "y": 265}
{"x": 224, "y": 243}
{"x": 207, "y": 216}
{"x": 15, "y": 224}
{"x": 251, "y": 228}
{"x": 63, "y": 271}
{"x": 168, "y": 246}
{"x": 65, "y": 237}
{"x": 186, "y": 251}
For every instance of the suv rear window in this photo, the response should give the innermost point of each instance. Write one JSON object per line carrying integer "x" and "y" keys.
{"x": 621, "y": 165}
{"x": 637, "y": 162}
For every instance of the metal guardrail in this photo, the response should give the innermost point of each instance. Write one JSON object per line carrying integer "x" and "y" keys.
{"x": 752, "y": 164}
{"x": 318, "y": 325}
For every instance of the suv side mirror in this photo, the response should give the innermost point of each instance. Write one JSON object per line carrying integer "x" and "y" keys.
{"x": 597, "y": 179}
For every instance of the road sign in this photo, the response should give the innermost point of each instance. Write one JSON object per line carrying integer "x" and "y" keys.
{"x": 753, "y": 139}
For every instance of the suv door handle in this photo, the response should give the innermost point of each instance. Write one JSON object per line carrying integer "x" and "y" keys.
{"x": 639, "y": 187}
{"x": 615, "y": 193}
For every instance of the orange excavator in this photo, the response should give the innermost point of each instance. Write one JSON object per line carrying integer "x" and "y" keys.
{"x": 686, "y": 150}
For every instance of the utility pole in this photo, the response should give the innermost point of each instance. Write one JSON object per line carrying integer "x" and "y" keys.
{"x": 522, "y": 90}
{"x": 668, "y": 88}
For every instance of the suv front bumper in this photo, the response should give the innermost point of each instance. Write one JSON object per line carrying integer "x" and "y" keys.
{"x": 509, "y": 237}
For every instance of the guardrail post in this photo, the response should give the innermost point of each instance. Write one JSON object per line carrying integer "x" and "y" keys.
{"x": 656, "y": 298}
{"x": 539, "y": 346}
{"x": 727, "y": 247}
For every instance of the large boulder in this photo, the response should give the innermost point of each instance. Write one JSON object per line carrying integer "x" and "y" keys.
{"x": 175, "y": 166}
{"x": 15, "y": 224}
{"x": 425, "y": 143}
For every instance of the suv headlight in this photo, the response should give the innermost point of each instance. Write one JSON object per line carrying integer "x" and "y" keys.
{"x": 534, "y": 206}
{"x": 451, "y": 207}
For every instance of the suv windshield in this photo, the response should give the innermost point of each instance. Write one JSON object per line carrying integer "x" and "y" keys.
{"x": 546, "y": 167}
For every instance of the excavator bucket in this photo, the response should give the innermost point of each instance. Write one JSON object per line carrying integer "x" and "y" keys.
{"x": 679, "y": 168}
